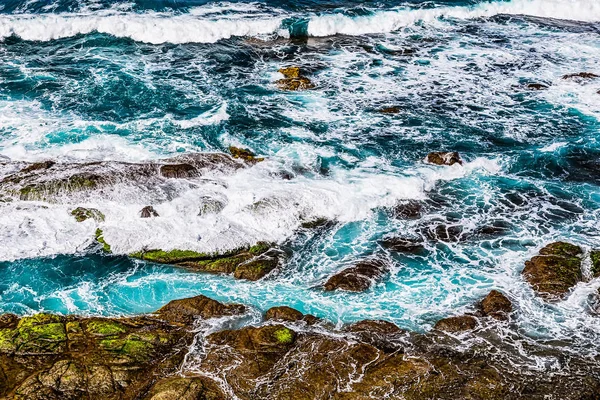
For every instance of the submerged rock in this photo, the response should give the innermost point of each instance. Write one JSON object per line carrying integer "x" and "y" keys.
{"x": 496, "y": 305}
{"x": 444, "y": 158}
{"x": 390, "y": 110}
{"x": 48, "y": 181}
{"x": 148, "y": 212}
{"x": 456, "y": 324}
{"x": 82, "y": 214}
{"x": 357, "y": 278}
{"x": 555, "y": 270}
{"x": 293, "y": 80}
{"x": 209, "y": 205}
{"x": 404, "y": 245}
{"x": 252, "y": 264}
{"x": 55, "y": 357}
{"x": 411, "y": 209}
{"x": 581, "y": 76}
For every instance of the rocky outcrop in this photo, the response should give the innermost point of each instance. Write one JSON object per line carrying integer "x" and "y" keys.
{"x": 411, "y": 209}
{"x": 581, "y": 76}
{"x": 496, "y": 305}
{"x": 294, "y": 80}
{"x": 595, "y": 267}
{"x": 288, "y": 314}
{"x": 555, "y": 270}
{"x": 244, "y": 154}
{"x": 148, "y": 212}
{"x": 252, "y": 264}
{"x": 359, "y": 277}
{"x": 403, "y": 244}
{"x": 100, "y": 239}
{"x": 444, "y": 158}
{"x": 456, "y": 324}
{"x": 54, "y": 357}
{"x": 82, "y": 214}
{"x": 49, "y": 180}
{"x": 536, "y": 86}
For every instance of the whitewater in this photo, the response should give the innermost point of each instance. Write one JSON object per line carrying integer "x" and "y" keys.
{"x": 143, "y": 82}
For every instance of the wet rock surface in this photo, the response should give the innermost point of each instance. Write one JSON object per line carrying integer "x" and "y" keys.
{"x": 444, "y": 158}
{"x": 148, "y": 212}
{"x": 357, "y": 278}
{"x": 55, "y": 357}
{"x": 252, "y": 263}
{"x": 294, "y": 80}
{"x": 457, "y": 324}
{"x": 48, "y": 181}
{"x": 496, "y": 305}
{"x": 51, "y": 357}
{"x": 554, "y": 272}
{"x": 83, "y": 214}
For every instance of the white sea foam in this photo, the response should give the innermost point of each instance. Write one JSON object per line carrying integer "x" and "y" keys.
{"x": 207, "y": 25}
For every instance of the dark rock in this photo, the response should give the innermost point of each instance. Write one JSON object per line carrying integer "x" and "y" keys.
{"x": 595, "y": 258}
{"x": 537, "y": 86}
{"x": 411, "y": 209}
{"x": 555, "y": 270}
{"x": 380, "y": 334}
{"x": 496, "y": 305}
{"x": 444, "y": 158}
{"x": 284, "y": 313}
{"x": 37, "y": 166}
{"x": 457, "y": 324}
{"x": 357, "y": 278}
{"x": 178, "y": 171}
{"x": 403, "y": 245}
{"x": 390, "y": 110}
{"x": 581, "y": 75}
{"x": 293, "y": 80}
{"x": 148, "y": 212}
{"x": 443, "y": 232}
{"x": 244, "y": 154}
{"x": 81, "y": 214}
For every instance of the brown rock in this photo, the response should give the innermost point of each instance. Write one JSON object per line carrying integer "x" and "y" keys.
{"x": 456, "y": 324}
{"x": 284, "y": 313}
{"x": 581, "y": 75}
{"x": 390, "y": 110}
{"x": 293, "y": 80}
{"x": 178, "y": 171}
{"x": 444, "y": 158}
{"x": 358, "y": 278}
{"x": 185, "y": 311}
{"x": 536, "y": 86}
{"x": 496, "y": 305}
{"x": 148, "y": 212}
{"x": 555, "y": 270}
{"x": 244, "y": 154}
{"x": 186, "y": 388}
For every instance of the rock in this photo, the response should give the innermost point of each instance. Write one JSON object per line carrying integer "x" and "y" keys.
{"x": 444, "y": 158}
{"x": 496, "y": 305}
{"x": 595, "y": 268}
{"x": 456, "y": 324}
{"x": 555, "y": 270}
{"x": 390, "y": 110}
{"x": 357, "y": 278}
{"x": 185, "y": 311}
{"x": 293, "y": 80}
{"x": 51, "y": 357}
{"x": 288, "y": 314}
{"x": 581, "y": 75}
{"x": 244, "y": 154}
{"x": 403, "y": 245}
{"x": 209, "y": 205}
{"x": 148, "y": 212}
{"x": 252, "y": 263}
{"x": 82, "y": 214}
{"x": 442, "y": 232}
{"x": 178, "y": 171}
{"x": 411, "y": 209}
{"x": 100, "y": 239}
{"x": 380, "y": 334}
{"x": 186, "y": 388}
{"x": 537, "y": 86}
{"x": 51, "y": 181}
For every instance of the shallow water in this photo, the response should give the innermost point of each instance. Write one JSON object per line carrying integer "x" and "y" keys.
{"x": 109, "y": 80}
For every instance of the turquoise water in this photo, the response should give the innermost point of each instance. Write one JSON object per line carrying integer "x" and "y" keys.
{"x": 145, "y": 80}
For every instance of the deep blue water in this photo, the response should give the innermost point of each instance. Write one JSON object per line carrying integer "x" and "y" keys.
{"x": 108, "y": 80}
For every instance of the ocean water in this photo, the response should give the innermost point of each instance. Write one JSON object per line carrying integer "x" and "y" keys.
{"x": 84, "y": 80}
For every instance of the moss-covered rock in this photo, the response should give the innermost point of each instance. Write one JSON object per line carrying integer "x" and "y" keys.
{"x": 251, "y": 263}
{"x": 595, "y": 258}
{"x": 100, "y": 239}
{"x": 82, "y": 214}
{"x": 555, "y": 270}
{"x": 244, "y": 154}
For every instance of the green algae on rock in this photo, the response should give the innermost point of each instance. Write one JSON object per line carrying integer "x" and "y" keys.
{"x": 82, "y": 214}
{"x": 244, "y": 154}
{"x": 251, "y": 263}
{"x": 54, "y": 357}
{"x": 100, "y": 239}
{"x": 555, "y": 271}
{"x": 294, "y": 80}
